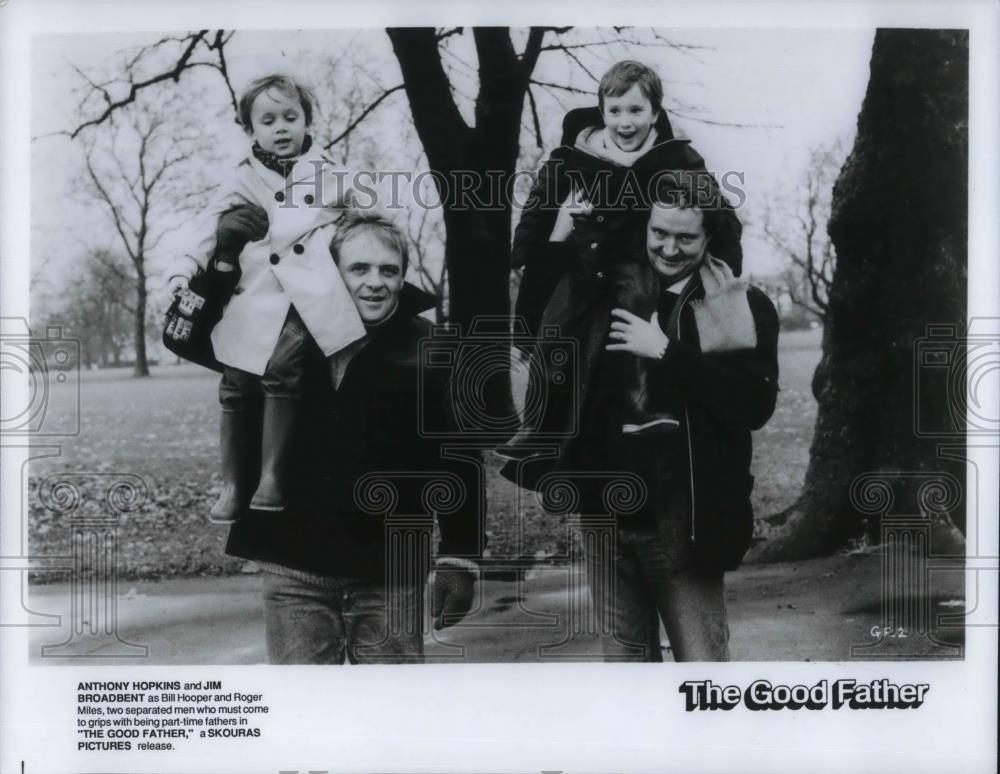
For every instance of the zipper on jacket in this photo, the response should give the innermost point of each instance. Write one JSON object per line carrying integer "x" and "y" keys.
{"x": 688, "y": 292}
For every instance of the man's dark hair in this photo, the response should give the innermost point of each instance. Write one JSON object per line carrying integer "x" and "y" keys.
{"x": 357, "y": 222}
{"x": 689, "y": 189}
{"x": 623, "y": 75}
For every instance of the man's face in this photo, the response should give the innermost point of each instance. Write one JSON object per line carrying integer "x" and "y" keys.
{"x": 675, "y": 241}
{"x": 278, "y": 123}
{"x": 629, "y": 118}
{"x": 373, "y": 274}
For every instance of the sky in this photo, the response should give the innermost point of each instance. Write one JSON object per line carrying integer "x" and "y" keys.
{"x": 754, "y": 101}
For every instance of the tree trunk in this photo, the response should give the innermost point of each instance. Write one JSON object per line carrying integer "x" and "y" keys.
{"x": 141, "y": 366}
{"x": 899, "y": 225}
{"x": 472, "y": 166}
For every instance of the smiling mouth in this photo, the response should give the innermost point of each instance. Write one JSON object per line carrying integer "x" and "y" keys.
{"x": 373, "y": 299}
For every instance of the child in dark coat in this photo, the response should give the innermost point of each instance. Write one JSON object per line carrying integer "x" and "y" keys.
{"x": 586, "y": 211}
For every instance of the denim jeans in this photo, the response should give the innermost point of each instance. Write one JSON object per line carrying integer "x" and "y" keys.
{"x": 636, "y": 581}
{"x": 282, "y": 376}
{"x": 315, "y": 620}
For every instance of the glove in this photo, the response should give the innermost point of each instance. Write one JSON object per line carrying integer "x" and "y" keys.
{"x": 237, "y": 226}
{"x": 454, "y": 591}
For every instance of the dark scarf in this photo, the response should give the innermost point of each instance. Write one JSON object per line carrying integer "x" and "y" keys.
{"x": 274, "y": 162}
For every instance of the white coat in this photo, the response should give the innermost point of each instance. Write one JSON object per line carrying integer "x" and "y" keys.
{"x": 291, "y": 265}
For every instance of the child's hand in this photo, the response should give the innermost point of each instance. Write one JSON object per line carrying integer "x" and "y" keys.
{"x": 237, "y": 226}
{"x": 574, "y": 207}
{"x": 636, "y": 336}
{"x": 172, "y": 288}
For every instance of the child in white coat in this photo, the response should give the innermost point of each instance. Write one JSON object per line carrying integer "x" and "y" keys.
{"x": 274, "y": 225}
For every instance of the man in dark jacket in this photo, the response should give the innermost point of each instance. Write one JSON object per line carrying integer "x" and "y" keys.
{"x": 346, "y": 564}
{"x": 710, "y": 343}
{"x": 586, "y": 209}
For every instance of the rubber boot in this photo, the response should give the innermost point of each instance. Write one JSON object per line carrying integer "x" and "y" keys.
{"x": 641, "y": 417}
{"x": 522, "y": 445}
{"x": 279, "y": 425}
{"x": 530, "y": 439}
{"x": 239, "y": 435}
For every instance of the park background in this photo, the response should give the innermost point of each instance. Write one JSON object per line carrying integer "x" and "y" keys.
{"x": 779, "y": 107}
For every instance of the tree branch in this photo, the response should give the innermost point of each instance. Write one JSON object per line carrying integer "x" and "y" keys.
{"x": 448, "y": 33}
{"x": 173, "y": 74}
{"x": 532, "y": 49}
{"x": 571, "y": 89}
{"x": 218, "y": 45}
{"x": 361, "y": 117}
{"x": 534, "y": 117}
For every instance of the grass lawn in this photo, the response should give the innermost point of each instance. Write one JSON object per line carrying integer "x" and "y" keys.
{"x": 164, "y": 430}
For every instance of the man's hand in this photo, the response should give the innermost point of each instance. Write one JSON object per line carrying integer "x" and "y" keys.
{"x": 634, "y": 335}
{"x": 453, "y": 593}
{"x": 237, "y": 226}
{"x": 575, "y": 207}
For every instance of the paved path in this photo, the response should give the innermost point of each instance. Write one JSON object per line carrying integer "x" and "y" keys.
{"x": 812, "y": 611}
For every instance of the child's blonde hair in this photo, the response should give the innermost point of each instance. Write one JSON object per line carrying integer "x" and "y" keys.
{"x": 283, "y": 84}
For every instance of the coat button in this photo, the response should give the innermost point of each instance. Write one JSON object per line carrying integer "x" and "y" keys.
{"x": 309, "y": 199}
{"x": 600, "y": 275}
{"x": 275, "y": 258}
{"x": 279, "y": 196}
{"x": 298, "y": 249}
{"x": 600, "y": 218}
{"x": 237, "y": 290}
{"x": 593, "y": 245}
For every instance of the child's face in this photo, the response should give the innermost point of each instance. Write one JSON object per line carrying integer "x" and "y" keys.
{"x": 629, "y": 118}
{"x": 278, "y": 123}
{"x": 675, "y": 241}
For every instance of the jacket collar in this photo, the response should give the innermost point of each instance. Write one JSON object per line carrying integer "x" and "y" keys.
{"x": 582, "y": 118}
{"x": 412, "y": 302}
{"x": 304, "y": 169}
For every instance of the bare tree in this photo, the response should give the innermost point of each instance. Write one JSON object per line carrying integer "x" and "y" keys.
{"x": 425, "y": 230}
{"x": 140, "y": 172}
{"x": 474, "y": 157}
{"x": 97, "y": 307}
{"x": 900, "y": 226}
{"x": 796, "y": 224}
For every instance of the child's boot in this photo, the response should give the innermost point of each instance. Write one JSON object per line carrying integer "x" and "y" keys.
{"x": 279, "y": 425}
{"x": 530, "y": 440}
{"x": 641, "y": 416}
{"x": 240, "y": 440}
{"x": 522, "y": 445}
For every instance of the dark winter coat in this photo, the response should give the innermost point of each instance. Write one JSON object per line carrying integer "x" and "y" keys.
{"x": 720, "y": 398}
{"x": 349, "y": 442}
{"x": 620, "y": 197}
